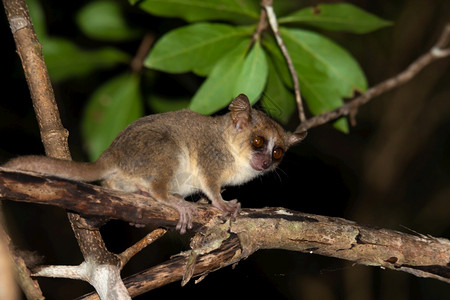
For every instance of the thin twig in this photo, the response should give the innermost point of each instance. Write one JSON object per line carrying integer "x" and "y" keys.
{"x": 72, "y": 272}
{"x": 444, "y": 39}
{"x": 267, "y": 4}
{"x": 262, "y": 25}
{"x": 137, "y": 62}
{"x": 28, "y": 285}
{"x": 174, "y": 269}
{"x": 436, "y": 52}
{"x": 126, "y": 255}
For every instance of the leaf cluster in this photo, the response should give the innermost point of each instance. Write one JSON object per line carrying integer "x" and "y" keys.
{"x": 218, "y": 43}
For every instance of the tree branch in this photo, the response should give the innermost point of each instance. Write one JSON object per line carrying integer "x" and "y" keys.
{"x": 92, "y": 200}
{"x": 269, "y": 228}
{"x": 220, "y": 244}
{"x": 174, "y": 269}
{"x": 278, "y": 228}
{"x": 262, "y": 25}
{"x": 137, "y": 63}
{"x": 8, "y": 286}
{"x": 438, "y": 51}
{"x": 272, "y": 18}
{"x": 54, "y": 137}
{"x": 126, "y": 255}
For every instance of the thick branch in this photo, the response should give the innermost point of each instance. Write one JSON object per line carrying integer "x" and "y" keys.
{"x": 335, "y": 237}
{"x": 256, "y": 228}
{"x": 174, "y": 269}
{"x": 278, "y": 228}
{"x": 104, "y": 277}
{"x": 54, "y": 135}
{"x": 91, "y": 200}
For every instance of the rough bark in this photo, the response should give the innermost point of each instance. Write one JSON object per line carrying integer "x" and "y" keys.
{"x": 53, "y": 134}
{"x": 254, "y": 229}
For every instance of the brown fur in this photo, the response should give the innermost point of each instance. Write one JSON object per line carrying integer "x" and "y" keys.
{"x": 172, "y": 155}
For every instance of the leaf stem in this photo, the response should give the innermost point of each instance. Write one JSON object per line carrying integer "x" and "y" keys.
{"x": 142, "y": 52}
{"x": 262, "y": 25}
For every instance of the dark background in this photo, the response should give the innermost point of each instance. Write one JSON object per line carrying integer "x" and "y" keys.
{"x": 392, "y": 170}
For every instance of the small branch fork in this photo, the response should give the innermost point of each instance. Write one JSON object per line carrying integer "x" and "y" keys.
{"x": 84, "y": 270}
{"x": 440, "y": 50}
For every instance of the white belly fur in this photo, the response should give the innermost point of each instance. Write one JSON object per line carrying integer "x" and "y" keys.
{"x": 189, "y": 179}
{"x": 242, "y": 172}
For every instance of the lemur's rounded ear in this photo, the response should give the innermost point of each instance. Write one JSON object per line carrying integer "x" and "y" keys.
{"x": 240, "y": 109}
{"x": 296, "y": 137}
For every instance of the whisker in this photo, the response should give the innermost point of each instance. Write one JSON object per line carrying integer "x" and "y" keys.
{"x": 278, "y": 175}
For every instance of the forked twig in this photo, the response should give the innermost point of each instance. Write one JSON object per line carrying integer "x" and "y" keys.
{"x": 438, "y": 51}
{"x": 350, "y": 109}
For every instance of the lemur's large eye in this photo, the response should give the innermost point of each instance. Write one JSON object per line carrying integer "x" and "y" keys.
{"x": 277, "y": 153}
{"x": 257, "y": 141}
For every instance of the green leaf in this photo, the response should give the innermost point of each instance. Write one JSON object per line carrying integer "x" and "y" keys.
{"x": 237, "y": 11}
{"x": 195, "y": 47}
{"x": 341, "y": 124}
{"x": 161, "y": 104}
{"x": 326, "y": 72}
{"x": 217, "y": 90}
{"x": 104, "y": 20}
{"x": 278, "y": 101}
{"x": 111, "y": 108}
{"x": 253, "y": 75}
{"x": 278, "y": 60}
{"x": 337, "y": 17}
{"x": 323, "y": 63}
{"x": 64, "y": 59}
{"x": 38, "y": 18}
